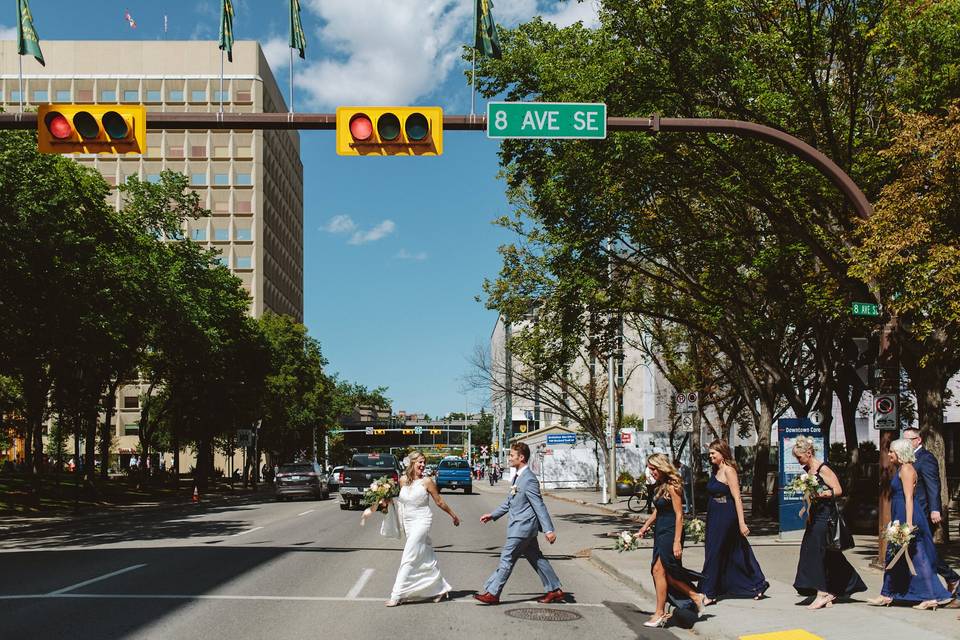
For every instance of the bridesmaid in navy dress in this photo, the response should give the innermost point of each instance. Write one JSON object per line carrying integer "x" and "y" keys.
{"x": 729, "y": 567}
{"x": 898, "y": 583}
{"x": 669, "y": 574}
{"x": 822, "y": 572}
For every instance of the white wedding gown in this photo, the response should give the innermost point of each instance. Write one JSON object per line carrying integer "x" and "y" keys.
{"x": 418, "y": 576}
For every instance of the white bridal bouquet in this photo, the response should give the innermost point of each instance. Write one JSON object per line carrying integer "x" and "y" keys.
{"x": 627, "y": 541}
{"x": 695, "y": 530}
{"x": 379, "y": 492}
{"x": 807, "y": 485}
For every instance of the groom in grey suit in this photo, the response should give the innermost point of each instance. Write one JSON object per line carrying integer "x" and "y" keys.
{"x": 528, "y": 517}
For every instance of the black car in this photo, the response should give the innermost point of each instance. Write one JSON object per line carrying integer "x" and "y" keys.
{"x": 301, "y": 479}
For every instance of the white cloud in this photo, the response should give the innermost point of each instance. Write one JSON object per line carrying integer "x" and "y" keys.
{"x": 398, "y": 51}
{"x": 277, "y": 52}
{"x": 568, "y": 12}
{"x": 8, "y": 33}
{"x": 340, "y": 224}
{"x": 403, "y": 254}
{"x": 379, "y": 232}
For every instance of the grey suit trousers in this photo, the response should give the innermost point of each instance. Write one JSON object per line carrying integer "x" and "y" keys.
{"x": 513, "y": 550}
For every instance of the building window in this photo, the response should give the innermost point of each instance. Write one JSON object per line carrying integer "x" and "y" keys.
{"x": 41, "y": 95}
{"x": 131, "y": 402}
{"x": 131, "y": 429}
{"x": 131, "y": 95}
{"x": 153, "y": 178}
{"x": 175, "y": 95}
{"x": 244, "y": 233}
{"x": 222, "y": 259}
{"x": 63, "y": 95}
{"x": 198, "y": 95}
{"x": 175, "y": 152}
{"x": 153, "y": 95}
{"x": 221, "y": 234}
{"x": 221, "y": 179}
{"x": 198, "y": 151}
{"x": 108, "y": 95}
{"x": 84, "y": 95}
{"x": 242, "y": 206}
{"x": 14, "y": 96}
{"x": 200, "y": 235}
{"x": 221, "y": 95}
{"x": 244, "y": 96}
{"x": 244, "y": 179}
{"x": 198, "y": 178}
{"x": 244, "y": 262}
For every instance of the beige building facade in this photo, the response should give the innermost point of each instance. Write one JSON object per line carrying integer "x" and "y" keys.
{"x": 251, "y": 181}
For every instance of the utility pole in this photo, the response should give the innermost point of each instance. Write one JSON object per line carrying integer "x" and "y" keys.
{"x": 508, "y": 383}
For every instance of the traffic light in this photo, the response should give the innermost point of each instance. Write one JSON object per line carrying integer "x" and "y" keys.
{"x": 379, "y": 432}
{"x": 71, "y": 128}
{"x": 435, "y": 432}
{"x": 408, "y": 432}
{"x": 389, "y": 131}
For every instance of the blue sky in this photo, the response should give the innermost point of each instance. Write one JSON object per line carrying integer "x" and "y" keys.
{"x": 396, "y": 249}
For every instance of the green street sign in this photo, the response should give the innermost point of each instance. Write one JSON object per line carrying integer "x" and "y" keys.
{"x": 546, "y": 120}
{"x": 867, "y": 309}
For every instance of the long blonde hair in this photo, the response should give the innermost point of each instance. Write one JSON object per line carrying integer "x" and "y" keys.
{"x": 410, "y": 471}
{"x": 669, "y": 476}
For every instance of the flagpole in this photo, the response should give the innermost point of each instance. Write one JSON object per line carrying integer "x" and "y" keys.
{"x": 20, "y": 60}
{"x": 291, "y": 79}
{"x": 221, "y": 80}
{"x": 473, "y": 82}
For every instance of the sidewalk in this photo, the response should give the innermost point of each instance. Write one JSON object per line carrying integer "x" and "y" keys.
{"x": 730, "y": 619}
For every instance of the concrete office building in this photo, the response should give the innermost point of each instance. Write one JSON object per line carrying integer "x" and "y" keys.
{"x": 251, "y": 181}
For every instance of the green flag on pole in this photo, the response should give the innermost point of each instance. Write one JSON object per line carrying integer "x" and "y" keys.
{"x": 226, "y": 28}
{"x": 298, "y": 40}
{"x": 486, "y": 30}
{"x": 28, "y": 42}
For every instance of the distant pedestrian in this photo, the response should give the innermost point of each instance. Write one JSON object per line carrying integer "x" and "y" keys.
{"x": 686, "y": 475}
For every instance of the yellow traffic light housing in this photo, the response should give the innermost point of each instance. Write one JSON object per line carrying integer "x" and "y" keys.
{"x": 389, "y": 131}
{"x": 70, "y": 128}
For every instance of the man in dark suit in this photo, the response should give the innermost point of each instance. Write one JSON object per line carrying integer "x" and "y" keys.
{"x": 928, "y": 498}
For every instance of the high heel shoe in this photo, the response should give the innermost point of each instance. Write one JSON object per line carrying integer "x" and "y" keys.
{"x": 658, "y": 622}
{"x": 700, "y": 601}
{"x": 443, "y": 596}
{"x": 708, "y": 601}
{"x": 880, "y": 601}
{"x": 825, "y": 600}
{"x": 391, "y": 603}
{"x": 927, "y": 604}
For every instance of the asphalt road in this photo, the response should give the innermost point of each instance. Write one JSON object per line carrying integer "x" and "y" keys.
{"x": 302, "y": 569}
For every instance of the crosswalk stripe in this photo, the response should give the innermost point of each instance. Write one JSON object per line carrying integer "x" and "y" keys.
{"x": 360, "y": 584}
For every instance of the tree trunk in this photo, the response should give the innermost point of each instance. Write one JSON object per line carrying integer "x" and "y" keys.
{"x": 203, "y": 454}
{"x": 929, "y": 390}
{"x": 761, "y": 464}
{"x": 106, "y": 429}
{"x": 90, "y": 445}
{"x": 849, "y": 392}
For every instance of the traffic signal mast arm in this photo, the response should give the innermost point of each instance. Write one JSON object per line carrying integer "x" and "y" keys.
{"x": 328, "y": 121}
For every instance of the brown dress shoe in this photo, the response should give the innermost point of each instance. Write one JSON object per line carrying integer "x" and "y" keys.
{"x": 486, "y": 598}
{"x": 552, "y": 596}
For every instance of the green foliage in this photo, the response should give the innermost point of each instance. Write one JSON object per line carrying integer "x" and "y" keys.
{"x": 625, "y": 478}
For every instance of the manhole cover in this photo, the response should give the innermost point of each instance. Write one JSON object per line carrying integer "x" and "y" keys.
{"x": 544, "y": 615}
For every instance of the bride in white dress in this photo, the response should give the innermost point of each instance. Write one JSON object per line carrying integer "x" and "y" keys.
{"x": 418, "y": 576}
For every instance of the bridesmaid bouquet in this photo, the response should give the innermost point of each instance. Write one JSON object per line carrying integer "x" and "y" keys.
{"x": 807, "y": 485}
{"x": 627, "y": 541}
{"x": 379, "y": 491}
{"x": 695, "y": 530}
{"x": 899, "y": 536}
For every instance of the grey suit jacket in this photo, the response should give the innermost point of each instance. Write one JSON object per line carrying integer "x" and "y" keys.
{"x": 528, "y": 513}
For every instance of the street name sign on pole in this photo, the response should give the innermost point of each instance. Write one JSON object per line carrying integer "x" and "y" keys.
{"x": 866, "y": 309}
{"x": 546, "y": 120}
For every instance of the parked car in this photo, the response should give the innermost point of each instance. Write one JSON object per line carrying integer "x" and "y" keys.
{"x": 364, "y": 469}
{"x": 430, "y": 470}
{"x": 333, "y": 479}
{"x": 301, "y": 479}
{"x": 454, "y": 473}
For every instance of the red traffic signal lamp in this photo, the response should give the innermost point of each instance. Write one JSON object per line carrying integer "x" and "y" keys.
{"x": 70, "y": 128}
{"x": 389, "y": 131}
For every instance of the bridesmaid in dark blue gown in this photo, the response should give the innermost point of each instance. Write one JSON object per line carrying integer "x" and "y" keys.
{"x": 669, "y": 575}
{"x": 898, "y": 583}
{"x": 729, "y": 567}
{"x": 821, "y": 571}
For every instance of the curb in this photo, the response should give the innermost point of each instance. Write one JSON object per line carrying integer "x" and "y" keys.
{"x": 598, "y": 507}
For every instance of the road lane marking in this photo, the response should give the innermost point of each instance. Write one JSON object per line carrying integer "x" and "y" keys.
{"x": 92, "y": 580}
{"x": 168, "y": 596}
{"x": 360, "y": 584}
{"x": 305, "y": 512}
{"x": 243, "y": 533}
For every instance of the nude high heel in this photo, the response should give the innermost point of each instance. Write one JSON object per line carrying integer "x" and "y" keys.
{"x": 880, "y": 601}
{"x": 927, "y": 604}
{"x": 824, "y": 600}
{"x": 658, "y": 622}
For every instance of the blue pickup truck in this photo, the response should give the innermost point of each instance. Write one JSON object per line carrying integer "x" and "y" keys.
{"x": 454, "y": 473}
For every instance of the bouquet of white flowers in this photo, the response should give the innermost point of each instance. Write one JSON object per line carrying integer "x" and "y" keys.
{"x": 379, "y": 492}
{"x": 807, "y": 485}
{"x": 898, "y": 536}
{"x": 627, "y": 541}
{"x": 695, "y": 530}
